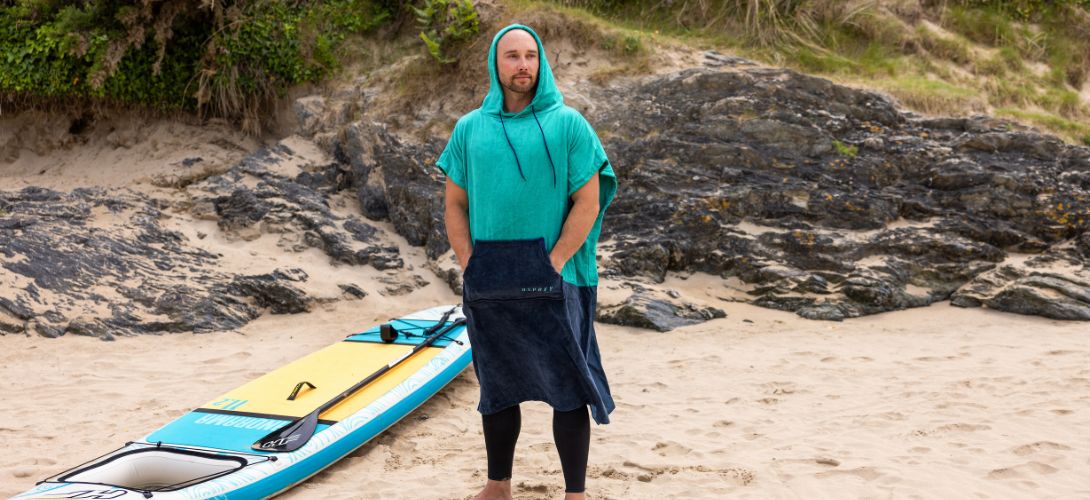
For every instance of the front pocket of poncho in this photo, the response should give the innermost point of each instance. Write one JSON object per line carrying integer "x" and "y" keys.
{"x": 504, "y": 270}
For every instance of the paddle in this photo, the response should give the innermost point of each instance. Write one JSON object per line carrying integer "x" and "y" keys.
{"x": 296, "y": 434}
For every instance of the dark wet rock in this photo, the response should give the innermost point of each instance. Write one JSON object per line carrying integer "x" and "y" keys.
{"x": 373, "y": 202}
{"x": 398, "y": 181}
{"x": 715, "y": 59}
{"x": 308, "y": 114}
{"x": 396, "y": 286}
{"x": 11, "y": 325}
{"x": 1082, "y": 245}
{"x": 827, "y": 200}
{"x": 256, "y": 197}
{"x": 72, "y": 255}
{"x": 352, "y": 290}
{"x": 89, "y": 327}
{"x": 360, "y": 231}
{"x": 1055, "y": 284}
{"x": 48, "y": 330}
{"x": 18, "y": 309}
{"x": 644, "y": 310}
{"x": 199, "y": 313}
{"x": 272, "y": 291}
{"x": 241, "y": 209}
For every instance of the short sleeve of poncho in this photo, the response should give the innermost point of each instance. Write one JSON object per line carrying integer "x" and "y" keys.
{"x": 585, "y": 154}
{"x": 453, "y": 160}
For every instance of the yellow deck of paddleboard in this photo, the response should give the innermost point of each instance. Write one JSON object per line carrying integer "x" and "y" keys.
{"x": 331, "y": 370}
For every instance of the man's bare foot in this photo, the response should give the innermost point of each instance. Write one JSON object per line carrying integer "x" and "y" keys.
{"x": 575, "y": 496}
{"x": 495, "y": 490}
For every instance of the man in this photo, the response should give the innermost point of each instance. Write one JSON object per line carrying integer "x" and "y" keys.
{"x": 527, "y": 185}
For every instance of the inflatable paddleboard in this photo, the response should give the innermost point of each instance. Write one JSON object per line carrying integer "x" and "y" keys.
{"x": 220, "y": 450}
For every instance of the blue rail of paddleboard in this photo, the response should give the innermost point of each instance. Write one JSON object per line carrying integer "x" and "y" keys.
{"x": 213, "y": 430}
{"x": 322, "y": 459}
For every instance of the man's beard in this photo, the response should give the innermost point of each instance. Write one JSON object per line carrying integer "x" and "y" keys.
{"x": 521, "y": 86}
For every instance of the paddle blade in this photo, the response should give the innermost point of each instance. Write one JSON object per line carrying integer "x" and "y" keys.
{"x": 289, "y": 438}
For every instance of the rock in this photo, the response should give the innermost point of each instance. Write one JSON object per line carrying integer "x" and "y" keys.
{"x": 48, "y": 330}
{"x": 1036, "y": 299}
{"x": 62, "y": 248}
{"x": 352, "y": 290}
{"x": 1055, "y": 285}
{"x": 293, "y": 207}
{"x": 88, "y": 326}
{"x": 644, "y": 311}
{"x": 360, "y": 231}
{"x": 309, "y": 112}
{"x": 715, "y": 59}
{"x": 272, "y": 291}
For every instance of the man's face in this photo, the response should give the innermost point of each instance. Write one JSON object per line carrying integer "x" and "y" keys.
{"x": 517, "y": 61}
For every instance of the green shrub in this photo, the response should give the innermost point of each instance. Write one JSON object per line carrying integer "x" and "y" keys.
{"x": 227, "y": 58}
{"x": 1025, "y": 10}
{"x": 626, "y": 45}
{"x": 444, "y": 24}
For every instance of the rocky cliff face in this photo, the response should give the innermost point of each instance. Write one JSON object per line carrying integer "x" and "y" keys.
{"x": 799, "y": 194}
{"x": 818, "y": 198}
{"x": 833, "y": 204}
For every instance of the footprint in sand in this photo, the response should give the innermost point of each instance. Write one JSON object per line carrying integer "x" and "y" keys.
{"x": 671, "y": 449}
{"x": 532, "y": 488}
{"x": 1028, "y": 449}
{"x": 23, "y": 472}
{"x": 865, "y": 473}
{"x": 936, "y": 358}
{"x": 609, "y": 473}
{"x": 542, "y": 447}
{"x": 1022, "y": 470}
{"x": 777, "y": 388}
{"x": 951, "y": 428}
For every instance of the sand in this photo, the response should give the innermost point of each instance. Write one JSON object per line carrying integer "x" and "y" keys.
{"x": 937, "y": 402}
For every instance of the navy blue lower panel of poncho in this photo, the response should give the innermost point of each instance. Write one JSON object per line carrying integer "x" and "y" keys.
{"x": 532, "y": 332}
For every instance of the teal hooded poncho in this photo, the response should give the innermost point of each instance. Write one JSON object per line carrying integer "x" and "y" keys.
{"x": 519, "y": 170}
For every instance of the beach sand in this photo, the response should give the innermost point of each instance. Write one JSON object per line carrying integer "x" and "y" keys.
{"x": 938, "y": 402}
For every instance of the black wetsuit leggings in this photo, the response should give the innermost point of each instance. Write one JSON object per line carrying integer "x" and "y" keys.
{"x": 571, "y": 433}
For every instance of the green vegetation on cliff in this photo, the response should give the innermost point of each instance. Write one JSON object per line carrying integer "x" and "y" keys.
{"x": 227, "y": 58}
{"x": 1025, "y": 59}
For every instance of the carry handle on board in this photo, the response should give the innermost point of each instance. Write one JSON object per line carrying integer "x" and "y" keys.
{"x": 296, "y": 434}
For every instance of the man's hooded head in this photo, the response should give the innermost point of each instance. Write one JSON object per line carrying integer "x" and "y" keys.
{"x": 512, "y": 74}
{"x": 517, "y": 62}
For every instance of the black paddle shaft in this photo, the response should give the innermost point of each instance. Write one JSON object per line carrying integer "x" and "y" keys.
{"x": 296, "y": 434}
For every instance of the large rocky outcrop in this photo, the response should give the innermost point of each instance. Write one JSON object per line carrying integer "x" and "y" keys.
{"x": 99, "y": 263}
{"x": 826, "y": 200}
{"x": 94, "y": 263}
{"x": 818, "y": 199}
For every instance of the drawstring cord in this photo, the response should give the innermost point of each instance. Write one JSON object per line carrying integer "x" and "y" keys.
{"x": 505, "y": 136}
{"x": 547, "y": 153}
{"x": 543, "y": 139}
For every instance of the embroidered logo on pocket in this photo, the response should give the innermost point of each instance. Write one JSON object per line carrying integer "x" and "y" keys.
{"x": 537, "y": 289}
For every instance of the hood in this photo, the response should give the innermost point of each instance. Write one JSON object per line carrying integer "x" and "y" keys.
{"x": 547, "y": 95}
